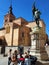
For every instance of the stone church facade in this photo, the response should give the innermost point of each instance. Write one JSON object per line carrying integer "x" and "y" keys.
{"x": 16, "y": 31}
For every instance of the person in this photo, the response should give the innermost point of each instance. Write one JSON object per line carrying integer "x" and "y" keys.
{"x": 15, "y": 52}
{"x": 9, "y": 56}
{"x": 25, "y": 53}
{"x": 21, "y": 60}
{"x": 13, "y": 60}
{"x": 46, "y": 44}
{"x": 28, "y": 50}
{"x": 18, "y": 57}
{"x": 26, "y": 60}
{"x": 33, "y": 60}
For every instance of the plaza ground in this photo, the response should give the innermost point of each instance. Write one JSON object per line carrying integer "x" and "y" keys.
{"x": 4, "y": 60}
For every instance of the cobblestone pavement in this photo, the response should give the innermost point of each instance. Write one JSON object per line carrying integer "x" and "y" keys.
{"x": 3, "y": 61}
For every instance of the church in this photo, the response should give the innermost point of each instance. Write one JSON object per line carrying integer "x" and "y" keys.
{"x": 16, "y": 31}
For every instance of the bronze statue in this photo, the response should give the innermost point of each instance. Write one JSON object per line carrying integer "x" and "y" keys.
{"x": 36, "y": 14}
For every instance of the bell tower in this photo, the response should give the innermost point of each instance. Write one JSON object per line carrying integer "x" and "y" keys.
{"x": 9, "y": 17}
{"x": 8, "y": 25}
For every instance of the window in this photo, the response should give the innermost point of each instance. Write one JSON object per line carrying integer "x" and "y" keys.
{"x": 10, "y": 20}
{"x": 8, "y": 29}
{"x": 22, "y": 34}
{"x": 6, "y": 20}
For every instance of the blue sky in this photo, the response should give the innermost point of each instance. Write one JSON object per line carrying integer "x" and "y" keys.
{"x": 23, "y": 8}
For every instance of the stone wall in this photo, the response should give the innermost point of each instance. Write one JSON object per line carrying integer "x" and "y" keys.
{"x": 24, "y": 36}
{"x": 15, "y": 37}
{"x": 8, "y": 37}
{"x": 7, "y": 48}
{"x": 2, "y": 33}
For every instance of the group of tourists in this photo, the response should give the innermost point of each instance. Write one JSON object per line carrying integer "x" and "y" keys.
{"x": 16, "y": 58}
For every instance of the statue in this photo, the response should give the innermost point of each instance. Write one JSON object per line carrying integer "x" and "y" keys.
{"x": 36, "y": 14}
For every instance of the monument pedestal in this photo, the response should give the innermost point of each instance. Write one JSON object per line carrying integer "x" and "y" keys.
{"x": 43, "y": 54}
{"x": 37, "y": 44}
{"x": 34, "y": 51}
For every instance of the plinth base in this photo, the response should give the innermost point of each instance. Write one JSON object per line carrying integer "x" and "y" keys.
{"x": 41, "y": 54}
{"x": 44, "y": 55}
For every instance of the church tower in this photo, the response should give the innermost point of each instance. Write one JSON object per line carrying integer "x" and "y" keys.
{"x": 8, "y": 25}
{"x": 8, "y": 18}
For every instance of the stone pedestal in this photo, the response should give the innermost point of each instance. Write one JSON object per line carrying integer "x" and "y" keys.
{"x": 37, "y": 44}
{"x": 43, "y": 54}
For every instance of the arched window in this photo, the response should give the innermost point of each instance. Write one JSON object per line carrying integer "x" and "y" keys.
{"x": 6, "y": 20}
{"x": 10, "y": 20}
{"x": 8, "y": 29}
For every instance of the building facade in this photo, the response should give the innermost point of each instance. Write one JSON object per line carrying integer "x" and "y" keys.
{"x": 16, "y": 31}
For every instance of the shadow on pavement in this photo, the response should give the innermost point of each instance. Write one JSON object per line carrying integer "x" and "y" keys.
{"x": 39, "y": 63}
